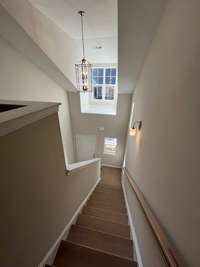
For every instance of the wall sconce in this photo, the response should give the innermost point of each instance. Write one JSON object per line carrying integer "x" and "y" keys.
{"x": 137, "y": 125}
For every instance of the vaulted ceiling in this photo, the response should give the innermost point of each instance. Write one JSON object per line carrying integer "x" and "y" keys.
{"x": 55, "y": 27}
{"x": 100, "y": 22}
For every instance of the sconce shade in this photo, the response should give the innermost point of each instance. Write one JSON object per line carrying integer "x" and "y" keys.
{"x": 132, "y": 132}
{"x": 137, "y": 125}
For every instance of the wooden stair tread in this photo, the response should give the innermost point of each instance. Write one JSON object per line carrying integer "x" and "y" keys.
{"x": 108, "y": 201}
{"x": 111, "y": 216}
{"x": 107, "y": 206}
{"x": 101, "y": 241}
{"x": 103, "y": 226}
{"x": 109, "y": 192}
{"x": 73, "y": 255}
{"x": 108, "y": 197}
{"x": 107, "y": 188}
{"x": 101, "y": 236}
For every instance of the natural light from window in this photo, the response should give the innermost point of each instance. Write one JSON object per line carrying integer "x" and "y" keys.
{"x": 110, "y": 146}
{"x": 104, "y": 83}
{"x": 103, "y": 98}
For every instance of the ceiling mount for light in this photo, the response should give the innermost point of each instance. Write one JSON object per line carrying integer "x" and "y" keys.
{"x": 98, "y": 47}
{"x": 81, "y": 12}
{"x": 84, "y": 68}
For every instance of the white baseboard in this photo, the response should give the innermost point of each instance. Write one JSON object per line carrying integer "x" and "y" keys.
{"x": 50, "y": 256}
{"x": 133, "y": 232}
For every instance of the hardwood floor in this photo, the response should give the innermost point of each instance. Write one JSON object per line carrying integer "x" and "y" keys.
{"x": 111, "y": 176}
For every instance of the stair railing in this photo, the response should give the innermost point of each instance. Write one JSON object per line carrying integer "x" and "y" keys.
{"x": 163, "y": 242}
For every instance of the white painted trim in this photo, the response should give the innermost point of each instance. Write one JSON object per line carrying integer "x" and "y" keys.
{"x": 15, "y": 119}
{"x": 78, "y": 165}
{"x": 16, "y": 124}
{"x": 133, "y": 231}
{"x": 50, "y": 256}
{"x": 111, "y": 166}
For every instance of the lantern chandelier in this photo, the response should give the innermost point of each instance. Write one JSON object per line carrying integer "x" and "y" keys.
{"x": 84, "y": 68}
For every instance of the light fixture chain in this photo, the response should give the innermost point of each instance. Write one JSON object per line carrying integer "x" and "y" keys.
{"x": 82, "y": 31}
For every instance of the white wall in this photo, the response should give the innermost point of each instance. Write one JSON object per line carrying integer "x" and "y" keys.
{"x": 53, "y": 41}
{"x": 164, "y": 157}
{"x": 114, "y": 126}
{"x": 138, "y": 21}
{"x": 21, "y": 80}
{"x": 18, "y": 38}
{"x": 37, "y": 198}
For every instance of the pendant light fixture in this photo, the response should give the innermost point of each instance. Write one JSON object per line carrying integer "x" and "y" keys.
{"x": 84, "y": 68}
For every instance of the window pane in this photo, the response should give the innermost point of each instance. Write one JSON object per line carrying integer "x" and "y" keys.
{"x": 94, "y": 80}
{"x": 94, "y": 72}
{"x": 100, "y": 72}
{"x": 113, "y": 80}
{"x": 100, "y": 80}
{"x": 113, "y": 72}
{"x": 107, "y": 72}
{"x": 97, "y": 92}
{"x": 107, "y": 80}
{"x": 100, "y": 92}
{"x": 109, "y": 93}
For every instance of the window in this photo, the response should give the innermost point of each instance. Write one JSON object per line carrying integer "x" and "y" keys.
{"x": 109, "y": 94}
{"x": 97, "y": 92}
{"x": 110, "y": 76}
{"x": 104, "y": 83}
{"x": 110, "y": 146}
{"x": 97, "y": 76}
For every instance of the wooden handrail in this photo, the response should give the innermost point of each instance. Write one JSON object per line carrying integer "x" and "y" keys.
{"x": 161, "y": 237}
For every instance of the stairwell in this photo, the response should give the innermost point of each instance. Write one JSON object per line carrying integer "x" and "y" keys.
{"x": 101, "y": 235}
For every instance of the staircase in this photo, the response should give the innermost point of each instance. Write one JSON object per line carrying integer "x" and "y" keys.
{"x": 101, "y": 235}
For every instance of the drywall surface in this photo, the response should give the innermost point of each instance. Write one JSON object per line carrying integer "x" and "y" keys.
{"x": 138, "y": 21}
{"x": 37, "y": 198}
{"x": 150, "y": 252}
{"x": 103, "y": 126}
{"x": 22, "y": 80}
{"x": 44, "y": 32}
{"x": 163, "y": 157}
{"x": 12, "y": 32}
